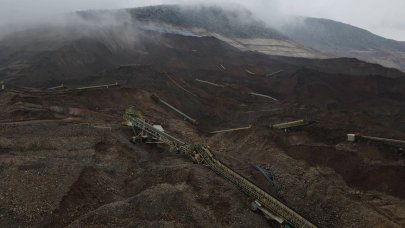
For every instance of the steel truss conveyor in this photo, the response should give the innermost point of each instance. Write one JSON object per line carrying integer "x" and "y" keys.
{"x": 201, "y": 154}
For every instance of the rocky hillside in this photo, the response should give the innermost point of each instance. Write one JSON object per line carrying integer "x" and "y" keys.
{"x": 166, "y": 37}
{"x": 233, "y": 23}
{"x": 303, "y": 37}
{"x": 339, "y": 39}
{"x": 67, "y": 161}
{"x": 236, "y": 26}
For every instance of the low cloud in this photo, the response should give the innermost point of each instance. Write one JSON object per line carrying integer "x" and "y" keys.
{"x": 379, "y": 16}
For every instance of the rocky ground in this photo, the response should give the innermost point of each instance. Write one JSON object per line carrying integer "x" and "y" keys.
{"x": 66, "y": 160}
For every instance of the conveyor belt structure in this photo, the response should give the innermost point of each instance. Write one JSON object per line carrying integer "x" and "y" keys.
{"x": 202, "y": 154}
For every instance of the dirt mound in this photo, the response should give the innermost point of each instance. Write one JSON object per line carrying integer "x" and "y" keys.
{"x": 378, "y": 177}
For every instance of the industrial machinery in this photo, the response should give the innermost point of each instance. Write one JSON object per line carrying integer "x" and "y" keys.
{"x": 201, "y": 154}
{"x": 292, "y": 124}
{"x": 185, "y": 116}
{"x": 399, "y": 145}
{"x": 394, "y": 142}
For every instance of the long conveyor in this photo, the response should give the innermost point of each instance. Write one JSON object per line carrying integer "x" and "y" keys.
{"x": 203, "y": 155}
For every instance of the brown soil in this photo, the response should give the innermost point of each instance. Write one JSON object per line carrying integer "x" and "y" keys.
{"x": 58, "y": 168}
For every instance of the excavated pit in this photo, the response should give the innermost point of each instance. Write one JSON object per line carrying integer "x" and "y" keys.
{"x": 356, "y": 172}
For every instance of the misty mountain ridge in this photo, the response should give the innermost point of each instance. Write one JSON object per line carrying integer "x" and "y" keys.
{"x": 238, "y": 22}
{"x": 299, "y": 37}
{"x": 91, "y": 41}
{"x": 320, "y": 37}
{"x": 333, "y": 35}
{"x": 236, "y": 26}
{"x": 339, "y": 39}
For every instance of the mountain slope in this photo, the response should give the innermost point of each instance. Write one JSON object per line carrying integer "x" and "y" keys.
{"x": 233, "y": 23}
{"x": 344, "y": 40}
{"x": 304, "y": 37}
{"x": 236, "y": 26}
{"x": 66, "y": 159}
{"x": 167, "y": 37}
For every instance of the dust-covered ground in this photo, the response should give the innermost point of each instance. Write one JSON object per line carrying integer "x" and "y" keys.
{"x": 66, "y": 160}
{"x": 67, "y": 170}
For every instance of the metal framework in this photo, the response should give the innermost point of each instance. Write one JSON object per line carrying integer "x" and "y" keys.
{"x": 185, "y": 116}
{"x": 292, "y": 124}
{"x": 201, "y": 154}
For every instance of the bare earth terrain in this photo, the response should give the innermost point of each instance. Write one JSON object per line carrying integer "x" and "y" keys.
{"x": 67, "y": 161}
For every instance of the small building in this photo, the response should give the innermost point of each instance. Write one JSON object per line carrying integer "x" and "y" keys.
{"x": 351, "y": 137}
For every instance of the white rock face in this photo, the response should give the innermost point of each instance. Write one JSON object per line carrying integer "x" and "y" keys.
{"x": 278, "y": 47}
{"x": 262, "y": 45}
{"x": 271, "y": 46}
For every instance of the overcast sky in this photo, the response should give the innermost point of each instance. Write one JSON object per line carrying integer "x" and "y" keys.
{"x": 383, "y": 17}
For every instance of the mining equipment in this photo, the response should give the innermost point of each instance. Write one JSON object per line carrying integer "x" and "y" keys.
{"x": 394, "y": 142}
{"x": 210, "y": 83}
{"x": 399, "y": 145}
{"x": 250, "y": 72}
{"x": 265, "y": 96}
{"x": 269, "y": 206}
{"x": 61, "y": 86}
{"x": 292, "y": 124}
{"x": 266, "y": 174}
{"x": 275, "y": 73}
{"x": 99, "y": 86}
{"x": 232, "y": 130}
{"x": 185, "y": 116}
